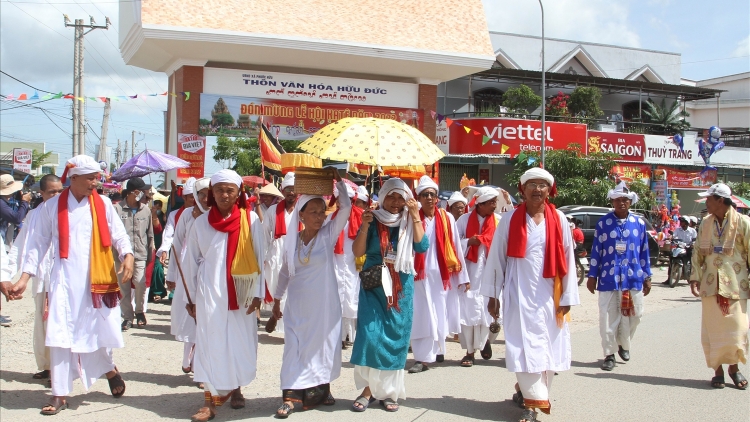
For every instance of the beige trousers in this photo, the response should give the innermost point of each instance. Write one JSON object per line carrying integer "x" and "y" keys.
{"x": 616, "y": 329}
{"x": 41, "y": 352}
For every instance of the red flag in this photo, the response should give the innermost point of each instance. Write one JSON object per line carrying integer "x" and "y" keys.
{"x": 269, "y": 154}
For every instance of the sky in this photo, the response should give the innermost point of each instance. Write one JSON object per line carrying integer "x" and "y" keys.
{"x": 36, "y": 48}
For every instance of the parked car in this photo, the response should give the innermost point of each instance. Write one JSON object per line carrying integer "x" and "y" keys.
{"x": 591, "y": 215}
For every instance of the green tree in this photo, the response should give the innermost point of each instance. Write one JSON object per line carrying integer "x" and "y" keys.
{"x": 741, "y": 189}
{"x": 521, "y": 100}
{"x": 581, "y": 179}
{"x": 245, "y": 153}
{"x": 584, "y": 102}
{"x": 667, "y": 119}
{"x": 224, "y": 119}
{"x": 204, "y": 122}
{"x": 38, "y": 158}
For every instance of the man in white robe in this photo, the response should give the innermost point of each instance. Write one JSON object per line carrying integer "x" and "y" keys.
{"x": 275, "y": 236}
{"x": 182, "y": 325}
{"x": 49, "y": 187}
{"x": 531, "y": 265}
{"x": 226, "y": 340}
{"x": 347, "y": 276}
{"x": 476, "y": 232}
{"x": 80, "y": 331}
{"x": 168, "y": 234}
{"x": 436, "y": 297}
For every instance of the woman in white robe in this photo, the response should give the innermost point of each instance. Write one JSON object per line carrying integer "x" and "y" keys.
{"x": 226, "y": 341}
{"x": 312, "y": 336}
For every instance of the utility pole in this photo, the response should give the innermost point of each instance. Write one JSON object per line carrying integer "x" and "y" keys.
{"x": 103, "y": 156}
{"x": 132, "y": 144}
{"x": 79, "y": 105}
{"x": 119, "y": 149}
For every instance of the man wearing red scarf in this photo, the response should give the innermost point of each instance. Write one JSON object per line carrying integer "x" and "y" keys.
{"x": 275, "y": 223}
{"x": 440, "y": 276}
{"x": 345, "y": 267}
{"x": 532, "y": 267}
{"x": 476, "y": 230}
{"x": 222, "y": 266}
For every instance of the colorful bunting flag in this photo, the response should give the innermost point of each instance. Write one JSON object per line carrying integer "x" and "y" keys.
{"x": 432, "y": 113}
{"x": 531, "y": 160}
{"x": 448, "y": 122}
{"x": 467, "y": 129}
{"x": 476, "y": 133}
{"x": 35, "y": 96}
{"x": 50, "y": 96}
{"x": 485, "y": 139}
{"x": 504, "y": 148}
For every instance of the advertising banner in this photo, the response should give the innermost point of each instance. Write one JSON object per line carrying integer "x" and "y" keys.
{"x": 662, "y": 150}
{"x": 630, "y": 147}
{"x": 308, "y": 88}
{"x": 690, "y": 180}
{"x": 191, "y": 148}
{"x": 631, "y": 172}
{"x": 509, "y": 137}
{"x": 287, "y": 120}
{"x": 22, "y": 159}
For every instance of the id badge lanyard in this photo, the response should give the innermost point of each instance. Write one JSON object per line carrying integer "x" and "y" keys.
{"x": 720, "y": 232}
{"x": 621, "y": 247}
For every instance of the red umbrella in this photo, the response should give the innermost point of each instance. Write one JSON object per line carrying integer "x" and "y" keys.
{"x": 254, "y": 181}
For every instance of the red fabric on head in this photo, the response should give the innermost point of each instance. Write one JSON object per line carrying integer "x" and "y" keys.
{"x": 555, "y": 263}
{"x": 485, "y": 237}
{"x": 63, "y": 224}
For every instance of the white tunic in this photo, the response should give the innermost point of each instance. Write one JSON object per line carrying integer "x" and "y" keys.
{"x": 533, "y": 341}
{"x": 17, "y": 255}
{"x": 312, "y": 336}
{"x": 436, "y": 312}
{"x": 473, "y": 302}
{"x": 226, "y": 342}
{"x": 73, "y": 322}
{"x": 274, "y": 254}
{"x": 182, "y": 324}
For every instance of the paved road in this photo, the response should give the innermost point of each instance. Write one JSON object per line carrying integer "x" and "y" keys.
{"x": 665, "y": 380}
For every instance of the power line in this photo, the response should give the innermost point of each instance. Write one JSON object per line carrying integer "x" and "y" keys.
{"x": 30, "y": 86}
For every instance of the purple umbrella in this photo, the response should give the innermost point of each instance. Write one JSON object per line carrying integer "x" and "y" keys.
{"x": 148, "y": 162}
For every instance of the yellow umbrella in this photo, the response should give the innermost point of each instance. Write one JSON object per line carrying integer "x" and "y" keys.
{"x": 372, "y": 141}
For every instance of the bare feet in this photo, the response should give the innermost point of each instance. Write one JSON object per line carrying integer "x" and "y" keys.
{"x": 204, "y": 414}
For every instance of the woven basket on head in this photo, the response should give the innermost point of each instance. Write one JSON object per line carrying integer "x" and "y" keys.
{"x": 312, "y": 181}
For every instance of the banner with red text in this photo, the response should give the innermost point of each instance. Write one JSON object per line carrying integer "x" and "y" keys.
{"x": 509, "y": 137}
{"x": 630, "y": 172}
{"x": 191, "y": 148}
{"x": 695, "y": 180}
{"x": 22, "y": 159}
{"x": 287, "y": 120}
{"x": 630, "y": 147}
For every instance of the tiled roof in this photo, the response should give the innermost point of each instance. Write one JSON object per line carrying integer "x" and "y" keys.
{"x": 440, "y": 25}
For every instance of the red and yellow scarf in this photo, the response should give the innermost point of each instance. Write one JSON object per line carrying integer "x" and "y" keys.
{"x": 104, "y": 287}
{"x": 555, "y": 263}
{"x": 488, "y": 232}
{"x": 446, "y": 251}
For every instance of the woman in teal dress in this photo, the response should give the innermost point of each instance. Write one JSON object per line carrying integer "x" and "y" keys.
{"x": 384, "y": 322}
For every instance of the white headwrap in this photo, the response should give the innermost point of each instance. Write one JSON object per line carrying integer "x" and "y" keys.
{"x": 189, "y": 186}
{"x": 81, "y": 164}
{"x": 537, "y": 173}
{"x": 349, "y": 191}
{"x": 362, "y": 193}
{"x": 288, "y": 180}
{"x": 425, "y": 182}
{"x": 292, "y": 233}
{"x": 226, "y": 176}
{"x": 405, "y": 249}
{"x": 486, "y": 194}
{"x": 456, "y": 197}
{"x": 198, "y": 186}
{"x": 622, "y": 191}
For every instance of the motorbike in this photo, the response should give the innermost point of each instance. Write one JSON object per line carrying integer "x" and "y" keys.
{"x": 680, "y": 266}
{"x": 582, "y": 265}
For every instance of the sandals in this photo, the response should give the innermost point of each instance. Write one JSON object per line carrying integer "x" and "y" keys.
{"x": 126, "y": 325}
{"x": 57, "y": 404}
{"x": 528, "y": 415}
{"x": 141, "y": 318}
{"x": 237, "y": 401}
{"x": 329, "y": 401}
{"x": 204, "y": 414}
{"x": 486, "y": 353}
{"x": 418, "y": 367}
{"x": 518, "y": 399}
{"x": 717, "y": 382}
{"x": 467, "y": 361}
{"x": 187, "y": 370}
{"x": 42, "y": 375}
{"x": 737, "y": 379}
{"x": 115, "y": 382}
{"x": 388, "y": 402}
{"x": 362, "y": 401}
{"x": 287, "y": 410}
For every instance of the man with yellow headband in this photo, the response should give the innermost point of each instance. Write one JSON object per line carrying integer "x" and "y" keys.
{"x": 84, "y": 313}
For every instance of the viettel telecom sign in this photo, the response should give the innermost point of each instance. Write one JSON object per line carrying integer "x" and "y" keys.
{"x": 509, "y": 137}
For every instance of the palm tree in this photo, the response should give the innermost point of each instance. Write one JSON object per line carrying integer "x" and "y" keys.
{"x": 670, "y": 119}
